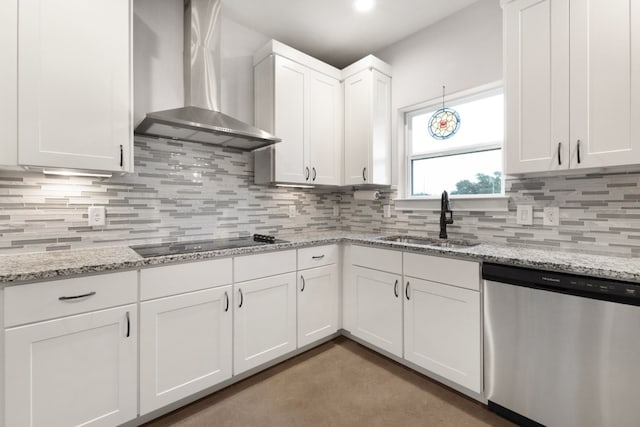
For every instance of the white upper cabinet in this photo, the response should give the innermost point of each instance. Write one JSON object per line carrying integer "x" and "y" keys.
{"x": 8, "y": 82}
{"x": 74, "y": 80}
{"x": 299, "y": 99}
{"x": 367, "y": 122}
{"x": 572, "y": 84}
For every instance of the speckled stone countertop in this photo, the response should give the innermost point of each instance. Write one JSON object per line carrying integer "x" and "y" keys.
{"x": 25, "y": 268}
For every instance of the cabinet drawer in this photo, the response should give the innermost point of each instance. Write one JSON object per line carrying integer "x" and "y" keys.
{"x": 377, "y": 259}
{"x": 262, "y": 265}
{"x": 317, "y": 256}
{"x": 464, "y": 274}
{"x": 168, "y": 280}
{"x": 42, "y": 301}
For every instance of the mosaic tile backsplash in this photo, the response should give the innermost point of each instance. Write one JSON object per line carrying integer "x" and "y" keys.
{"x": 599, "y": 213}
{"x": 187, "y": 191}
{"x": 180, "y": 191}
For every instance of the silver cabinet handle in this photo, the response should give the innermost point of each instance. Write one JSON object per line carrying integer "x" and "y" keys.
{"x": 364, "y": 174}
{"x": 87, "y": 295}
{"x": 406, "y": 292}
{"x": 121, "y": 156}
{"x": 128, "y": 326}
{"x": 306, "y": 173}
{"x": 314, "y": 174}
{"x": 304, "y": 284}
{"x": 241, "y": 298}
{"x": 226, "y": 296}
{"x": 559, "y": 147}
{"x": 578, "y": 149}
{"x": 395, "y": 288}
{"x": 317, "y": 257}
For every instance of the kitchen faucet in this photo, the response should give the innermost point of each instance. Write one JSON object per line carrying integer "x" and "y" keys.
{"x": 444, "y": 209}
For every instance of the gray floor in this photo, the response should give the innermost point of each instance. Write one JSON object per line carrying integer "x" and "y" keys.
{"x": 340, "y": 383}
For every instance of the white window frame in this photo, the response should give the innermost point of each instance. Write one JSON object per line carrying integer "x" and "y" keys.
{"x": 476, "y": 202}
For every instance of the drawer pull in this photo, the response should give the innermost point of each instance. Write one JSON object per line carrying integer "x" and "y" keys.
{"x": 304, "y": 284}
{"x": 226, "y": 296}
{"x": 406, "y": 291}
{"x": 395, "y": 289}
{"x": 128, "y": 325}
{"x": 241, "y": 298}
{"x": 87, "y": 295}
{"x": 317, "y": 257}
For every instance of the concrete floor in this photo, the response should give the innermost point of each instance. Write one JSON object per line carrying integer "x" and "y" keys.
{"x": 340, "y": 383}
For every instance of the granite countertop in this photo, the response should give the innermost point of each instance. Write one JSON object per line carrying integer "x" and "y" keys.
{"x": 25, "y": 268}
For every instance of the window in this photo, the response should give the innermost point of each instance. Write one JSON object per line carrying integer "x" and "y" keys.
{"x": 467, "y": 163}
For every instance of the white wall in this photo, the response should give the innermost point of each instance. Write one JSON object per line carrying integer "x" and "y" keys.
{"x": 158, "y": 70}
{"x": 461, "y": 52}
{"x": 157, "y": 56}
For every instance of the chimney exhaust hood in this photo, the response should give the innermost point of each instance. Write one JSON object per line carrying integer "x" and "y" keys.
{"x": 200, "y": 121}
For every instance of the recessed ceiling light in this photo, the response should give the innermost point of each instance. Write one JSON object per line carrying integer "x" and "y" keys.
{"x": 363, "y": 5}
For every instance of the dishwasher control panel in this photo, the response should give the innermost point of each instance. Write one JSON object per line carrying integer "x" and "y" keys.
{"x": 588, "y": 287}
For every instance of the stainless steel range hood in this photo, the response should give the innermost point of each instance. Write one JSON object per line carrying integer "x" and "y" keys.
{"x": 200, "y": 121}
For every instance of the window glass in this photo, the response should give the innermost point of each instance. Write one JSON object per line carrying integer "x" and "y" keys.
{"x": 470, "y": 161}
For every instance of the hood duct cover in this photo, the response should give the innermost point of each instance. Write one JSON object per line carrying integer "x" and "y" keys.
{"x": 199, "y": 121}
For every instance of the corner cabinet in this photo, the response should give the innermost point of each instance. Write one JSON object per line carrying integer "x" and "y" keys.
{"x": 74, "y": 97}
{"x": 299, "y": 99}
{"x": 571, "y": 99}
{"x": 367, "y": 123}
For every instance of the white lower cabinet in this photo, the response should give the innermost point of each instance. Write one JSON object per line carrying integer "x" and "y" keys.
{"x": 318, "y": 303}
{"x": 442, "y": 331}
{"x": 76, "y": 370}
{"x": 377, "y": 310}
{"x": 185, "y": 345}
{"x": 264, "y": 320}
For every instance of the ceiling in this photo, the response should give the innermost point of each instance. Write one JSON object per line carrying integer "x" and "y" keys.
{"x": 332, "y": 31}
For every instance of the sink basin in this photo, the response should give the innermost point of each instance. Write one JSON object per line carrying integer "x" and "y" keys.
{"x": 426, "y": 241}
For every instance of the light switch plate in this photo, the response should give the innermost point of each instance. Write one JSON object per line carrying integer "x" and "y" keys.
{"x": 551, "y": 216}
{"x": 525, "y": 215}
{"x": 97, "y": 216}
{"x": 292, "y": 211}
{"x": 336, "y": 210}
{"x": 386, "y": 211}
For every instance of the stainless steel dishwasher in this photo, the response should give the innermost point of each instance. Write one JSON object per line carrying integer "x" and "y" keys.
{"x": 560, "y": 349}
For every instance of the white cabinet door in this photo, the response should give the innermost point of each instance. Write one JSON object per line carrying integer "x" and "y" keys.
{"x": 377, "y": 317}
{"x": 264, "y": 320}
{"x": 442, "y": 331}
{"x": 367, "y": 128}
{"x": 536, "y": 80}
{"x": 357, "y": 128}
{"x": 605, "y": 83}
{"x": 185, "y": 345}
{"x": 290, "y": 121}
{"x": 325, "y": 129}
{"x": 9, "y": 82}
{"x": 75, "y": 80}
{"x": 318, "y": 302}
{"x": 77, "y": 370}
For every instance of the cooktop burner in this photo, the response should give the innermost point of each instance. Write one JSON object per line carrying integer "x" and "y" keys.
{"x": 176, "y": 248}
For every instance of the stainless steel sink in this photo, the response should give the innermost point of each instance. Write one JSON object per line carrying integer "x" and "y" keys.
{"x": 426, "y": 241}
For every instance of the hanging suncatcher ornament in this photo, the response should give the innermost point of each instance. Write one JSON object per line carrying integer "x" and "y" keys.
{"x": 445, "y": 122}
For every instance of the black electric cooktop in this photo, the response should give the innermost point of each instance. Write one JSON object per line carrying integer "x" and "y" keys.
{"x": 176, "y": 248}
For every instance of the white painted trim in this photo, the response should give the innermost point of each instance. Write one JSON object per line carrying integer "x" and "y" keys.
{"x": 458, "y": 203}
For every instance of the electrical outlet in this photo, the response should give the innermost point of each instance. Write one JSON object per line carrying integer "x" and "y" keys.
{"x": 525, "y": 215}
{"x": 336, "y": 210}
{"x": 551, "y": 216}
{"x": 97, "y": 216}
{"x": 386, "y": 211}
{"x": 292, "y": 211}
